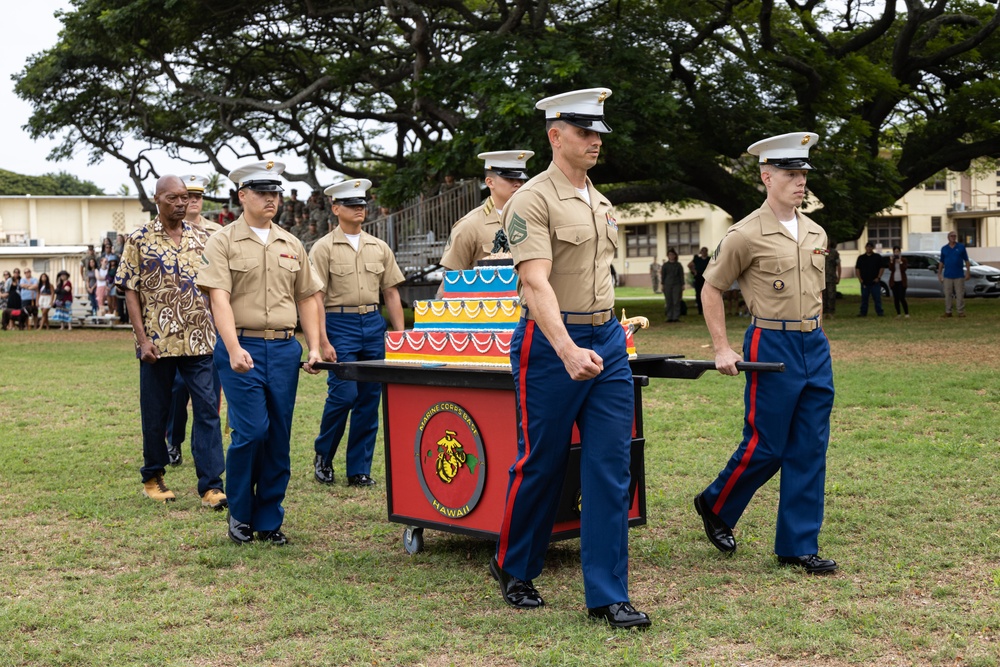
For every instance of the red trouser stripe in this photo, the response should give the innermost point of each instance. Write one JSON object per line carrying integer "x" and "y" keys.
{"x": 752, "y": 420}
{"x": 522, "y": 383}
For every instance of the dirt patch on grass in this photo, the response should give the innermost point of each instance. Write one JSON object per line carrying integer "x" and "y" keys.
{"x": 977, "y": 353}
{"x": 77, "y": 335}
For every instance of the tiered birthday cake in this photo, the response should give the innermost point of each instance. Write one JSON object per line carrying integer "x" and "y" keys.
{"x": 470, "y": 326}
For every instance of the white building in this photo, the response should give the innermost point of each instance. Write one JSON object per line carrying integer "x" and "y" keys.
{"x": 51, "y": 233}
{"x": 964, "y": 202}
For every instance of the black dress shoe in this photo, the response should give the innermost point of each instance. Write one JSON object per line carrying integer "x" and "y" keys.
{"x": 718, "y": 532}
{"x": 515, "y": 592}
{"x": 174, "y": 455}
{"x": 324, "y": 470}
{"x": 239, "y": 532}
{"x": 273, "y": 536}
{"x": 360, "y": 480}
{"x": 621, "y": 615}
{"x": 812, "y": 563}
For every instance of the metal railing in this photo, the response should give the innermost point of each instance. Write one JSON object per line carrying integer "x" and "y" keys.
{"x": 418, "y": 232}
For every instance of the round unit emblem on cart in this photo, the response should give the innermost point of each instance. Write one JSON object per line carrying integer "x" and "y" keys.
{"x": 450, "y": 460}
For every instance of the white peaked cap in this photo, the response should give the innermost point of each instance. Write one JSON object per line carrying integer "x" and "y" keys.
{"x": 583, "y": 108}
{"x": 262, "y": 175}
{"x": 509, "y": 164}
{"x": 786, "y": 151}
{"x": 195, "y": 182}
{"x": 350, "y": 192}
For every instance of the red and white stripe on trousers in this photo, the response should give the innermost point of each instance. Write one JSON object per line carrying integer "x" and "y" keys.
{"x": 752, "y": 420}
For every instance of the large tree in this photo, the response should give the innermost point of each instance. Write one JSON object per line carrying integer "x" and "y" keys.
{"x": 403, "y": 91}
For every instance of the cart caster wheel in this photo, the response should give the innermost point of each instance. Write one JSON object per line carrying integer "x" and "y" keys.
{"x": 413, "y": 539}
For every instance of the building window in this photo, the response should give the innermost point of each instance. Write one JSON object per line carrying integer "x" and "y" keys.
{"x": 640, "y": 241}
{"x": 938, "y": 181}
{"x": 848, "y": 245}
{"x": 885, "y": 233}
{"x": 935, "y": 223}
{"x": 683, "y": 237}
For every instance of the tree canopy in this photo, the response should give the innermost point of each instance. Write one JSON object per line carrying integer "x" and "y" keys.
{"x": 46, "y": 184}
{"x": 404, "y": 91}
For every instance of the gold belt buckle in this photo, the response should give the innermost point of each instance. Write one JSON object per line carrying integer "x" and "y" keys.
{"x": 597, "y": 319}
{"x": 809, "y": 325}
{"x": 269, "y": 334}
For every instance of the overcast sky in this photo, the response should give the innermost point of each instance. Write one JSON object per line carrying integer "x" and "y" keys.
{"x": 32, "y": 28}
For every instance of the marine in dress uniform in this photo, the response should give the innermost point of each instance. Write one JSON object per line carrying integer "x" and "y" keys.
{"x": 778, "y": 256}
{"x": 570, "y": 366}
{"x": 196, "y": 184}
{"x": 177, "y": 418}
{"x": 353, "y": 267}
{"x": 256, "y": 274}
{"x": 471, "y": 238}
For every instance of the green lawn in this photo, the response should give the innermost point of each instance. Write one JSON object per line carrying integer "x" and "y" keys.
{"x": 92, "y": 573}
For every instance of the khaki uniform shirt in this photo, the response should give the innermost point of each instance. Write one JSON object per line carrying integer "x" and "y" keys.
{"x": 264, "y": 281}
{"x": 547, "y": 219}
{"x": 779, "y": 278}
{"x": 352, "y": 277}
{"x": 204, "y": 228}
{"x": 472, "y": 237}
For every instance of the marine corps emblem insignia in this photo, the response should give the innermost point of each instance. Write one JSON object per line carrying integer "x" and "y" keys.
{"x": 450, "y": 459}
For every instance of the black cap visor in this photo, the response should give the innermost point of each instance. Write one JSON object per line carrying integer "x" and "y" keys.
{"x": 513, "y": 174}
{"x": 262, "y": 186}
{"x": 788, "y": 162}
{"x": 587, "y": 122}
{"x": 351, "y": 201}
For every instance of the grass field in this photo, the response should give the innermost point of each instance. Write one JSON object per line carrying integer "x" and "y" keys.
{"x": 92, "y": 573}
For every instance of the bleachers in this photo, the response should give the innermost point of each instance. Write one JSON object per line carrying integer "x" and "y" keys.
{"x": 82, "y": 317}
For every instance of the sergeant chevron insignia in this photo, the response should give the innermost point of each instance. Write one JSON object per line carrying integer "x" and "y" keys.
{"x": 518, "y": 230}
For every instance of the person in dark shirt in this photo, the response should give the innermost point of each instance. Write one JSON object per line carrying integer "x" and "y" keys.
{"x": 14, "y": 314}
{"x": 869, "y": 269}
{"x": 672, "y": 281}
{"x": 697, "y": 266}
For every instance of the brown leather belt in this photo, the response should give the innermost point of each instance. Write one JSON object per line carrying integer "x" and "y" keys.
{"x": 593, "y": 319}
{"x": 267, "y": 334}
{"x": 360, "y": 310}
{"x": 786, "y": 325}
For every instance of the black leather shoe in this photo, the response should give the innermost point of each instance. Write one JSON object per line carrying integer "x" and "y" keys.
{"x": 515, "y": 592}
{"x": 275, "y": 537}
{"x": 621, "y": 615}
{"x": 360, "y": 480}
{"x": 324, "y": 470}
{"x": 718, "y": 532}
{"x": 239, "y": 532}
{"x": 174, "y": 455}
{"x": 812, "y": 563}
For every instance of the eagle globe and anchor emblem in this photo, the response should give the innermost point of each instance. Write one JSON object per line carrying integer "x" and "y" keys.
{"x": 450, "y": 460}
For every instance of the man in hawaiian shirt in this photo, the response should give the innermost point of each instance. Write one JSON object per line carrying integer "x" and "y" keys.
{"x": 174, "y": 332}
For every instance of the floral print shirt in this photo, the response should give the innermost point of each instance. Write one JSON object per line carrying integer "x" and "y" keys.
{"x": 175, "y": 313}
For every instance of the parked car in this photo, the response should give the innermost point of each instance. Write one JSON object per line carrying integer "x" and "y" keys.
{"x": 922, "y": 279}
